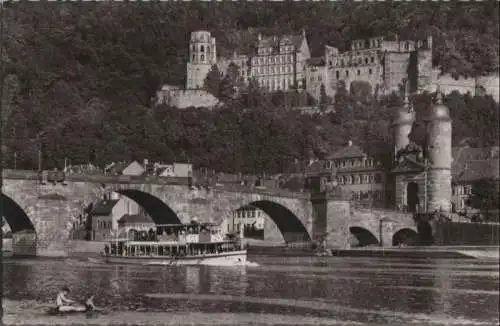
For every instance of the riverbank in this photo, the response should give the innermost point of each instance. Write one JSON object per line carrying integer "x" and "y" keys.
{"x": 33, "y": 313}
{"x": 431, "y": 252}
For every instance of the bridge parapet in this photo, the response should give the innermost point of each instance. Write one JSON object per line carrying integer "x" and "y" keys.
{"x": 263, "y": 191}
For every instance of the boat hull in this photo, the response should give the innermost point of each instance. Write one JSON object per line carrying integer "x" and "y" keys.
{"x": 223, "y": 259}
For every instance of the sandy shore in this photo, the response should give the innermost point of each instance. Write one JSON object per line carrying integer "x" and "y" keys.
{"x": 33, "y": 313}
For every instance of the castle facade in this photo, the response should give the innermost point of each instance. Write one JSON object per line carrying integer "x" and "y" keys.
{"x": 278, "y": 63}
{"x": 281, "y": 63}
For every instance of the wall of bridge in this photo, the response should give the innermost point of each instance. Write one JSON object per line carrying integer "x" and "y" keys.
{"x": 53, "y": 208}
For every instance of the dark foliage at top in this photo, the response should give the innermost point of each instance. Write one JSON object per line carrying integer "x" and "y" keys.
{"x": 79, "y": 78}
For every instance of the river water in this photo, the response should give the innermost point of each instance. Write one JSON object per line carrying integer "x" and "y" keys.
{"x": 269, "y": 291}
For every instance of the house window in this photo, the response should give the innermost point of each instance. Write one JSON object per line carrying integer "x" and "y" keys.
{"x": 357, "y": 179}
{"x": 343, "y": 164}
{"x": 202, "y": 48}
{"x": 370, "y": 71}
{"x": 347, "y": 73}
{"x": 373, "y": 59}
{"x": 378, "y": 178}
{"x": 337, "y": 74}
{"x": 208, "y": 49}
{"x": 371, "y": 178}
{"x": 359, "y": 72}
{"x": 202, "y": 57}
{"x": 407, "y": 46}
{"x": 366, "y": 60}
{"x": 365, "y": 178}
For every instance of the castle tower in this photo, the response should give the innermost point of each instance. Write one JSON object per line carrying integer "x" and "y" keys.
{"x": 402, "y": 123}
{"x": 439, "y": 135}
{"x": 202, "y": 55}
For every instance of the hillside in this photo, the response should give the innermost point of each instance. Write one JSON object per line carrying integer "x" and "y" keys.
{"x": 79, "y": 76}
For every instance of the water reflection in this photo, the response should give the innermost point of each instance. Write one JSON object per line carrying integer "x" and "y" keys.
{"x": 359, "y": 289}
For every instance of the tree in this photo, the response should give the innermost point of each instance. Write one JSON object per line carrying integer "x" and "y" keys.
{"x": 485, "y": 195}
{"x": 231, "y": 83}
{"x": 324, "y": 100}
{"x": 213, "y": 81}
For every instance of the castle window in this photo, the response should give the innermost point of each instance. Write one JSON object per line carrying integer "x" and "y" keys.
{"x": 370, "y": 71}
{"x": 337, "y": 74}
{"x": 202, "y": 48}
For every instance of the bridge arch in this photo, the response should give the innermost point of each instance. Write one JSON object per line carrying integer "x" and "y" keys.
{"x": 15, "y": 216}
{"x": 159, "y": 212}
{"x": 405, "y": 236}
{"x": 363, "y": 236}
{"x": 291, "y": 227}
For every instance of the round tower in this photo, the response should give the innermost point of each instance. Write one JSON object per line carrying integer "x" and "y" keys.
{"x": 402, "y": 123}
{"x": 438, "y": 123}
{"x": 202, "y": 55}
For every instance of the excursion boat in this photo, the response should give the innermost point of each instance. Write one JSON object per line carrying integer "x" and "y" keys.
{"x": 175, "y": 244}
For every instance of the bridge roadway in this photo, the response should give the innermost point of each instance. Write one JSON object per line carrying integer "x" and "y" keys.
{"x": 50, "y": 209}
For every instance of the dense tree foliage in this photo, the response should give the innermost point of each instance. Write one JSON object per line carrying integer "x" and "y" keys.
{"x": 79, "y": 78}
{"x": 485, "y": 196}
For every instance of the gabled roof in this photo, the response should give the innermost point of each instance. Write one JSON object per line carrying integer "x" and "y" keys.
{"x": 274, "y": 41}
{"x": 352, "y": 151}
{"x": 104, "y": 207}
{"x": 409, "y": 165}
{"x": 464, "y": 154}
{"x": 117, "y": 168}
{"x": 316, "y": 61}
{"x": 134, "y": 218}
{"x": 317, "y": 167}
{"x": 479, "y": 169}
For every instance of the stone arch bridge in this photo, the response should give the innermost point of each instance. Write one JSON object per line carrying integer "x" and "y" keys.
{"x": 50, "y": 209}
